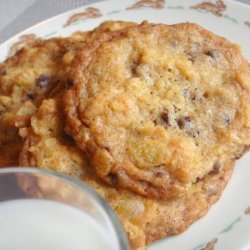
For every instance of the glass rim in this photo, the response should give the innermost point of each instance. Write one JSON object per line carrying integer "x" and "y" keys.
{"x": 115, "y": 222}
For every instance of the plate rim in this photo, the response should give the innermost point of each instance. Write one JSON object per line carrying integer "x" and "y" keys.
{"x": 8, "y": 40}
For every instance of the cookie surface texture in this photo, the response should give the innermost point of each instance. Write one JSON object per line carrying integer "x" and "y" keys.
{"x": 35, "y": 72}
{"x": 158, "y": 107}
{"x": 144, "y": 219}
{"x": 26, "y": 78}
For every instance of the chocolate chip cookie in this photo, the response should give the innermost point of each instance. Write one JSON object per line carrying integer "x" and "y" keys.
{"x": 159, "y": 107}
{"x": 35, "y": 72}
{"x": 144, "y": 219}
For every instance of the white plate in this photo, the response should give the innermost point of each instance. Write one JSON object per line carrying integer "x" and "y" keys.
{"x": 227, "y": 224}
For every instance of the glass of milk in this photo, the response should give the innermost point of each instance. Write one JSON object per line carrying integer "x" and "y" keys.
{"x": 46, "y": 210}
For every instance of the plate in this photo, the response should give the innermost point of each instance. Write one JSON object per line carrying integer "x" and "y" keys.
{"x": 227, "y": 224}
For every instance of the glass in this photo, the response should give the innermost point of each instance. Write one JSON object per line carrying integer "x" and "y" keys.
{"x": 36, "y": 185}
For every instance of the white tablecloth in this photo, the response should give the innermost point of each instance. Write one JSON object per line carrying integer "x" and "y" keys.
{"x": 17, "y": 15}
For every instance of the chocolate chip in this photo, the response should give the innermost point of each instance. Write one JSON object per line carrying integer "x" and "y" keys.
{"x": 160, "y": 172}
{"x": 133, "y": 69}
{"x": 208, "y": 53}
{"x": 165, "y": 117}
{"x": 69, "y": 83}
{"x": 191, "y": 56}
{"x": 107, "y": 149}
{"x": 227, "y": 119}
{"x": 68, "y": 138}
{"x": 198, "y": 179}
{"x": 31, "y": 96}
{"x": 113, "y": 178}
{"x": 43, "y": 80}
{"x": 182, "y": 122}
{"x": 215, "y": 54}
{"x": 205, "y": 95}
{"x": 216, "y": 168}
{"x": 19, "y": 52}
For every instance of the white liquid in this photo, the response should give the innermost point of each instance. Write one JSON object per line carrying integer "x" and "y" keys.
{"x": 47, "y": 225}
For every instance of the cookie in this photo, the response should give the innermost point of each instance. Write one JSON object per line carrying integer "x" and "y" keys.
{"x": 144, "y": 219}
{"x": 158, "y": 107}
{"x": 9, "y": 154}
{"x": 32, "y": 74}
{"x": 106, "y": 26}
{"x": 35, "y": 72}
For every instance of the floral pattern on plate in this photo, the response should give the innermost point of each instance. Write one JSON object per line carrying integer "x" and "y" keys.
{"x": 88, "y": 13}
{"x": 247, "y": 23}
{"x": 156, "y": 4}
{"x": 22, "y": 42}
{"x": 216, "y": 8}
{"x": 247, "y": 211}
{"x": 210, "y": 245}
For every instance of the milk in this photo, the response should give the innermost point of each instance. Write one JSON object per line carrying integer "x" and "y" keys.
{"x": 47, "y": 225}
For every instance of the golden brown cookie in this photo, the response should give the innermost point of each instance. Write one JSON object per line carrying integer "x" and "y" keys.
{"x": 36, "y": 72}
{"x": 32, "y": 74}
{"x": 144, "y": 220}
{"x": 158, "y": 107}
{"x": 105, "y": 26}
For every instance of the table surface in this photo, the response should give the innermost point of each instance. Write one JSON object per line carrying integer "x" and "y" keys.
{"x": 17, "y": 15}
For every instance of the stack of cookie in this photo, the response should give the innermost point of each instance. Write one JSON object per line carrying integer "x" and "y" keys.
{"x": 151, "y": 116}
